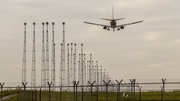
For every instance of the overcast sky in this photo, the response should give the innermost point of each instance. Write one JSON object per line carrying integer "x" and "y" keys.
{"x": 148, "y": 50}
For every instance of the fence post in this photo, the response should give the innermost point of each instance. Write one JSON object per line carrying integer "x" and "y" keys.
{"x": 91, "y": 84}
{"x": 140, "y": 93}
{"x": 161, "y": 94}
{"x": 134, "y": 88}
{"x": 82, "y": 97}
{"x": 163, "y": 88}
{"x": 118, "y": 91}
{"x": 107, "y": 88}
{"x": 131, "y": 81}
{"x": 74, "y": 85}
{"x": 17, "y": 93}
{"x": 2, "y": 84}
{"x": 40, "y": 93}
{"x": 76, "y": 89}
{"x": 60, "y": 93}
{"x": 24, "y": 86}
{"x": 36, "y": 94}
{"x": 132, "y": 93}
{"x": 49, "y": 84}
{"x": 97, "y": 93}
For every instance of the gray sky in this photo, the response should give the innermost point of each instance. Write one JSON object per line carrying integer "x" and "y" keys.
{"x": 148, "y": 50}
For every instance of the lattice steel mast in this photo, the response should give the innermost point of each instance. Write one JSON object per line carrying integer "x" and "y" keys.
{"x": 43, "y": 62}
{"x": 71, "y": 65}
{"x": 68, "y": 74}
{"x": 63, "y": 78}
{"x": 24, "y": 56}
{"x": 97, "y": 73}
{"x": 74, "y": 70}
{"x": 33, "y": 73}
{"x": 47, "y": 54}
{"x": 84, "y": 70}
{"x": 53, "y": 77}
{"x": 90, "y": 68}
{"x": 82, "y": 66}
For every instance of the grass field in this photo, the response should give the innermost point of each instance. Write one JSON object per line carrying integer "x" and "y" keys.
{"x": 8, "y": 92}
{"x": 112, "y": 96}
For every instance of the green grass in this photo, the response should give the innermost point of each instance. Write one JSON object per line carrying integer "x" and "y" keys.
{"x": 12, "y": 99}
{"x": 8, "y": 92}
{"x": 112, "y": 96}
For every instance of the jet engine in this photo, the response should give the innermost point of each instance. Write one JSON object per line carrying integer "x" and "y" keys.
{"x": 104, "y": 27}
{"x": 122, "y": 27}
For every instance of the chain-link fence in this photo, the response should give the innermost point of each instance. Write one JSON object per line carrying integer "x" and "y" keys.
{"x": 119, "y": 91}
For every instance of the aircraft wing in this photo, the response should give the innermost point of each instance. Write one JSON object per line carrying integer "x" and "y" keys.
{"x": 96, "y": 24}
{"x": 129, "y": 23}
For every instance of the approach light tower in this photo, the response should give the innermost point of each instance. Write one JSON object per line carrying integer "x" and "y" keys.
{"x": 71, "y": 65}
{"x": 68, "y": 74}
{"x": 81, "y": 66}
{"x": 90, "y": 68}
{"x": 62, "y": 71}
{"x": 74, "y": 70}
{"x": 43, "y": 61}
{"x": 47, "y": 55}
{"x": 53, "y": 77}
{"x": 33, "y": 73}
{"x": 24, "y": 56}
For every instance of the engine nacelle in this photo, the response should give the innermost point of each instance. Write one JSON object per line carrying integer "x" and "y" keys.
{"x": 122, "y": 27}
{"x": 105, "y": 27}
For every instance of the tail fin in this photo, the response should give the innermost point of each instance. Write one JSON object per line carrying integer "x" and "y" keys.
{"x": 113, "y": 12}
{"x": 113, "y": 15}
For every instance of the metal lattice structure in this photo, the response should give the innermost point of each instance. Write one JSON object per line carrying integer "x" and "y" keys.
{"x": 24, "y": 57}
{"x": 53, "y": 72}
{"x": 81, "y": 67}
{"x": 72, "y": 69}
{"x": 71, "y": 65}
{"x": 33, "y": 72}
{"x": 90, "y": 68}
{"x": 47, "y": 54}
{"x": 62, "y": 70}
{"x": 43, "y": 61}
{"x": 68, "y": 74}
{"x": 84, "y": 70}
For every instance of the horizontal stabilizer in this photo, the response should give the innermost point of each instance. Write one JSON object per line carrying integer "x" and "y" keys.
{"x": 106, "y": 19}
{"x": 120, "y": 19}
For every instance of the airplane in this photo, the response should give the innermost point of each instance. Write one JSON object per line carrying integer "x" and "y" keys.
{"x": 113, "y": 23}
